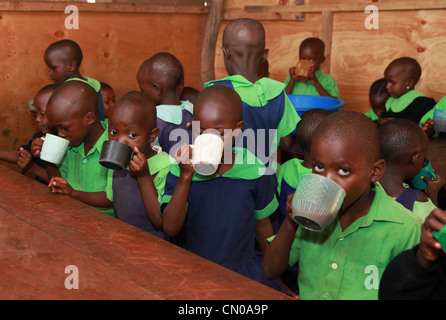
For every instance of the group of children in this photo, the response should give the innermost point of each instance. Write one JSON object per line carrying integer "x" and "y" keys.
{"x": 240, "y": 217}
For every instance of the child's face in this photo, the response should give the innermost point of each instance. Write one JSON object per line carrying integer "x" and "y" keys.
{"x": 147, "y": 85}
{"x": 40, "y": 101}
{"x": 223, "y": 126}
{"x": 59, "y": 70}
{"x": 74, "y": 128}
{"x": 378, "y": 103}
{"x": 396, "y": 82}
{"x": 128, "y": 126}
{"x": 344, "y": 164}
{"x": 312, "y": 54}
{"x": 109, "y": 100}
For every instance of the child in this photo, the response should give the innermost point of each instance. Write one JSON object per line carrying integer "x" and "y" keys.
{"x": 63, "y": 59}
{"x": 161, "y": 78}
{"x": 222, "y": 213}
{"x": 108, "y": 96}
{"x": 402, "y": 75}
{"x": 23, "y": 157}
{"x": 72, "y": 109}
{"x": 378, "y": 96}
{"x": 319, "y": 83}
{"x": 345, "y": 260}
{"x": 292, "y": 171}
{"x": 136, "y": 192}
{"x": 267, "y": 111}
{"x": 404, "y": 146}
{"x": 189, "y": 94}
{"x": 418, "y": 273}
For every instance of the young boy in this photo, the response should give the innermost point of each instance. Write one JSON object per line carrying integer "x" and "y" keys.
{"x": 63, "y": 59}
{"x": 319, "y": 83}
{"x": 72, "y": 109}
{"x": 161, "y": 77}
{"x": 136, "y": 192}
{"x": 224, "y": 213}
{"x": 403, "y": 146}
{"x": 268, "y": 114}
{"x": 292, "y": 171}
{"x": 23, "y": 157}
{"x": 405, "y": 102}
{"x": 346, "y": 260}
{"x": 378, "y": 96}
{"x": 108, "y": 97}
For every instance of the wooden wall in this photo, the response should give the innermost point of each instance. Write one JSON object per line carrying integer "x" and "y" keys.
{"x": 116, "y": 41}
{"x": 114, "y": 45}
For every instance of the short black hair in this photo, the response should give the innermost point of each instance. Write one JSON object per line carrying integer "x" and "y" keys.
{"x": 167, "y": 68}
{"x": 306, "y": 127}
{"x": 69, "y": 48}
{"x": 398, "y": 137}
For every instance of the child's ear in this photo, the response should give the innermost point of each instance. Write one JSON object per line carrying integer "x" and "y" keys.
{"x": 323, "y": 59}
{"x": 90, "y": 117}
{"x": 72, "y": 65}
{"x": 414, "y": 158}
{"x": 378, "y": 170}
{"x": 226, "y": 52}
{"x": 265, "y": 54}
{"x": 153, "y": 134}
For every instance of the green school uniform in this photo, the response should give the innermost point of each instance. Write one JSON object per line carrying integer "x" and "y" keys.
{"x": 84, "y": 172}
{"x": 307, "y": 88}
{"x": 441, "y": 105}
{"x": 336, "y": 264}
{"x": 372, "y": 115}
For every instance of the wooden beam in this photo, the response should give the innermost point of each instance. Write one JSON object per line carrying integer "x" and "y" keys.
{"x": 43, "y": 6}
{"x": 214, "y": 19}
{"x": 326, "y": 36}
{"x": 348, "y": 7}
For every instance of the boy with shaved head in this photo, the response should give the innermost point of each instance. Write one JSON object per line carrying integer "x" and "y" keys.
{"x": 224, "y": 213}
{"x": 267, "y": 112}
{"x": 405, "y": 101}
{"x": 63, "y": 59}
{"x": 347, "y": 259}
{"x": 72, "y": 110}
{"x": 318, "y": 83}
{"x": 161, "y": 77}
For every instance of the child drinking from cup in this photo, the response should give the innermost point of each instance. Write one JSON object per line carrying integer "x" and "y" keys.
{"x": 317, "y": 82}
{"x": 223, "y": 213}
{"x": 337, "y": 262}
{"x": 403, "y": 146}
{"x": 72, "y": 110}
{"x": 136, "y": 192}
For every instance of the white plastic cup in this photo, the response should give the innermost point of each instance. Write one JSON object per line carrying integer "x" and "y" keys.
{"x": 207, "y": 153}
{"x": 53, "y": 148}
{"x": 316, "y": 202}
{"x": 440, "y": 120}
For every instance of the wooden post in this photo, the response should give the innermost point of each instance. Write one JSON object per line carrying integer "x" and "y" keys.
{"x": 326, "y": 36}
{"x": 215, "y": 17}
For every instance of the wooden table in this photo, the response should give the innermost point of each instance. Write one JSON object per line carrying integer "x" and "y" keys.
{"x": 42, "y": 234}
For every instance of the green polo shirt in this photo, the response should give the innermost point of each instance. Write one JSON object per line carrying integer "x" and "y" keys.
{"x": 441, "y": 105}
{"x": 308, "y": 89}
{"x": 84, "y": 172}
{"x": 347, "y": 265}
{"x": 372, "y": 115}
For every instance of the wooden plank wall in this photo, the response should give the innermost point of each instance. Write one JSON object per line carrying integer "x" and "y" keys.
{"x": 115, "y": 40}
{"x": 114, "y": 45}
{"x": 358, "y": 55}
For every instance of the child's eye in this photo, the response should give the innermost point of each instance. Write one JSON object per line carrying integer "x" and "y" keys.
{"x": 343, "y": 172}
{"x": 113, "y": 132}
{"x": 318, "y": 168}
{"x": 132, "y": 135}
